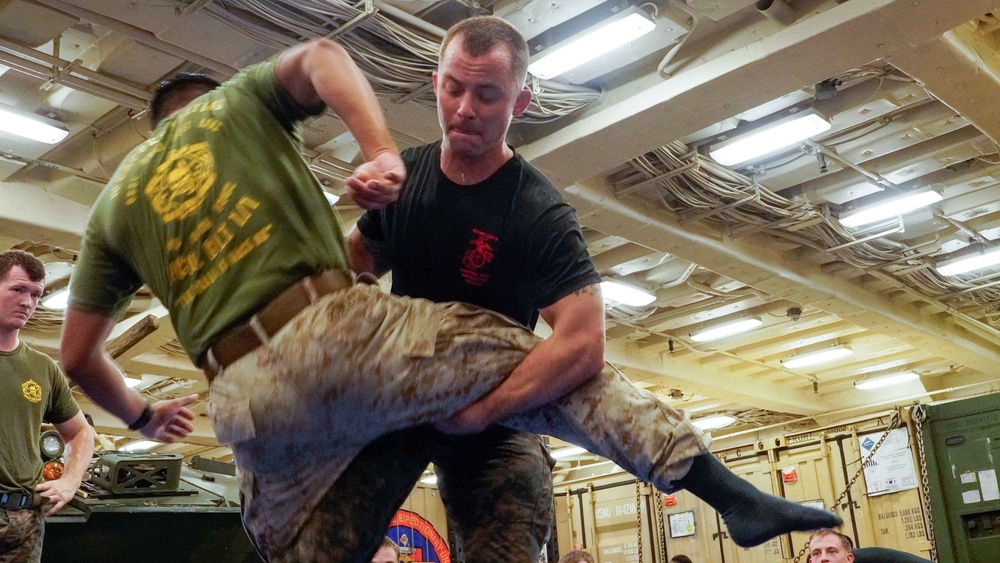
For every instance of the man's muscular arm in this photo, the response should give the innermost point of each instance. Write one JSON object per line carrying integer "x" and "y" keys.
{"x": 366, "y": 255}
{"x": 569, "y": 357}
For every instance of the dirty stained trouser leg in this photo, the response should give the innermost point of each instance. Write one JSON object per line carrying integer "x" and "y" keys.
{"x": 359, "y": 364}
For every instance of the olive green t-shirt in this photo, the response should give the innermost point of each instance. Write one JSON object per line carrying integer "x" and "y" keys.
{"x": 32, "y": 389}
{"x": 217, "y": 212}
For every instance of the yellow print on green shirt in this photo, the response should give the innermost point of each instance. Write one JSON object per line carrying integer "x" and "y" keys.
{"x": 181, "y": 183}
{"x": 31, "y": 391}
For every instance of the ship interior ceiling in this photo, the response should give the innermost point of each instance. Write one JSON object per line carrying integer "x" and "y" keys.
{"x": 906, "y": 90}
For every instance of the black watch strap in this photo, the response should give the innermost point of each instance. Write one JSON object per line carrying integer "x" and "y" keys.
{"x": 144, "y": 418}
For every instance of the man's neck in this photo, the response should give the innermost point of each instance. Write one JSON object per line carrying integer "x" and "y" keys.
{"x": 8, "y": 341}
{"x": 471, "y": 171}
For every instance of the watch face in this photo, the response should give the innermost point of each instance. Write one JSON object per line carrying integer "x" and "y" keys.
{"x": 52, "y": 445}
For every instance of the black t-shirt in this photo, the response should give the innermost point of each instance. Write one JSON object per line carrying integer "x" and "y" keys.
{"x": 510, "y": 244}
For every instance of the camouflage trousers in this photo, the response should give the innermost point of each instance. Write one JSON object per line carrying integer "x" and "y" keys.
{"x": 21, "y": 534}
{"x": 360, "y": 364}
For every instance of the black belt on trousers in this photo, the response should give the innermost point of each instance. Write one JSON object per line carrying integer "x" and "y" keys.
{"x": 20, "y": 501}
{"x": 245, "y": 338}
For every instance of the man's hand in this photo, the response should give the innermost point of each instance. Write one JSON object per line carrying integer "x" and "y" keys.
{"x": 473, "y": 419}
{"x": 171, "y": 420}
{"x": 57, "y": 493}
{"x": 377, "y": 183}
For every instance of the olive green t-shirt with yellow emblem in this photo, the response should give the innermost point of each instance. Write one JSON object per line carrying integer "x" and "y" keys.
{"x": 32, "y": 389}
{"x": 217, "y": 212}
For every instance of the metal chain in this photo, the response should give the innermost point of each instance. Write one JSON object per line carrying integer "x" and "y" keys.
{"x": 660, "y": 529}
{"x": 919, "y": 415}
{"x": 893, "y": 424}
{"x": 638, "y": 519}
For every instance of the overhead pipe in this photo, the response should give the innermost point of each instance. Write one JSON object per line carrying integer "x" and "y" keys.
{"x": 777, "y": 10}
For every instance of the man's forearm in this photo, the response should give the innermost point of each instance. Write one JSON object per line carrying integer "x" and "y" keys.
{"x": 551, "y": 370}
{"x": 80, "y": 450}
{"x": 102, "y": 381}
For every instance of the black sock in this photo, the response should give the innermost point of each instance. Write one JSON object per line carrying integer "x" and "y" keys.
{"x": 752, "y": 517}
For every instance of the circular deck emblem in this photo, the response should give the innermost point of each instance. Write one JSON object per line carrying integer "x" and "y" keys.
{"x": 417, "y": 539}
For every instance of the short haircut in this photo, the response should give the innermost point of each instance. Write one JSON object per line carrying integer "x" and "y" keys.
{"x": 175, "y": 92}
{"x": 845, "y": 541}
{"x": 31, "y": 265}
{"x": 680, "y": 559}
{"x": 482, "y": 33}
{"x": 577, "y": 556}
{"x": 387, "y": 542}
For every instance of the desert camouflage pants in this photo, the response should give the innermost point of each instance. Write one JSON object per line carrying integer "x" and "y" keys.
{"x": 360, "y": 364}
{"x": 21, "y": 534}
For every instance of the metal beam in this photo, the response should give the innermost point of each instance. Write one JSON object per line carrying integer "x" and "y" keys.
{"x": 724, "y": 386}
{"x": 750, "y": 260}
{"x": 962, "y": 69}
{"x": 815, "y": 48}
{"x": 33, "y": 214}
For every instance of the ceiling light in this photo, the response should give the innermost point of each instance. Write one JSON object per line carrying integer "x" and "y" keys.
{"x": 626, "y": 294}
{"x": 57, "y": 300}
{"x": 568, "y": 452}
{"x": 140, "y": 446}
{"x": 982, "y": 258}
{"x": 769, "y": 138}
{"x": 431, "y": 479}
{"x": 332, "y": 198}
{"x": 727, "y": 329}
{"x": 132, "y": 382}
{"x": 618, "y": 30}
{"x": 31, "y": 126}
{"x": 817, "y": 357}
{"x": 888, "y": 208}
{"x": 713, "y": 422}
{"x": 886, "y": 380}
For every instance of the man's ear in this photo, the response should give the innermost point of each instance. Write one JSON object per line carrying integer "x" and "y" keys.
{"x": 522, "y": 101}
{"x": 434, "y": 81}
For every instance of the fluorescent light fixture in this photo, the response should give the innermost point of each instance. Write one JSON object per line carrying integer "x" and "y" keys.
{"x": 626, "y": 294}
{"x": 431, "y": 479}
{"x": 628, "y": 25}
{"x": 57, "y": 300}
{"x": 332, "y": 198}
{"x": 140, "y": 446}
{"x": 568, "y": 452}
{"x": 727, "y": 329}
{"x": 889, "y": 208}
{"x": 713, "y": 422}
{"x": 769, "y": 138}
{"x": 817, "y": 357}
{"x": 132, "y": 382}
{"x": 983, "y": 258}
{"x": 886, "y": 380}
{"x": 3, "y": 69}
{"x": 30, "y": 126}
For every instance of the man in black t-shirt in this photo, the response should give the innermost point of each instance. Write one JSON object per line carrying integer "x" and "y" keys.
{"x": 476, "y": 223}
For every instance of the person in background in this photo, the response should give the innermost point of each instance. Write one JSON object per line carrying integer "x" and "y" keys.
{"x": 388, "y": 552}
{"x": 32, "y": 390}
{"x": 680, "y": 559}
{"x": 577, "y": 556}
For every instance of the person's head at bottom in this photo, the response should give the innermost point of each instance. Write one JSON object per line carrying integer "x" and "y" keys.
{"x": 680, "y": 559}
{"x": 387, "y": 553}
{"x": 577, "y": 556}
{"x": 830, "y": 546}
